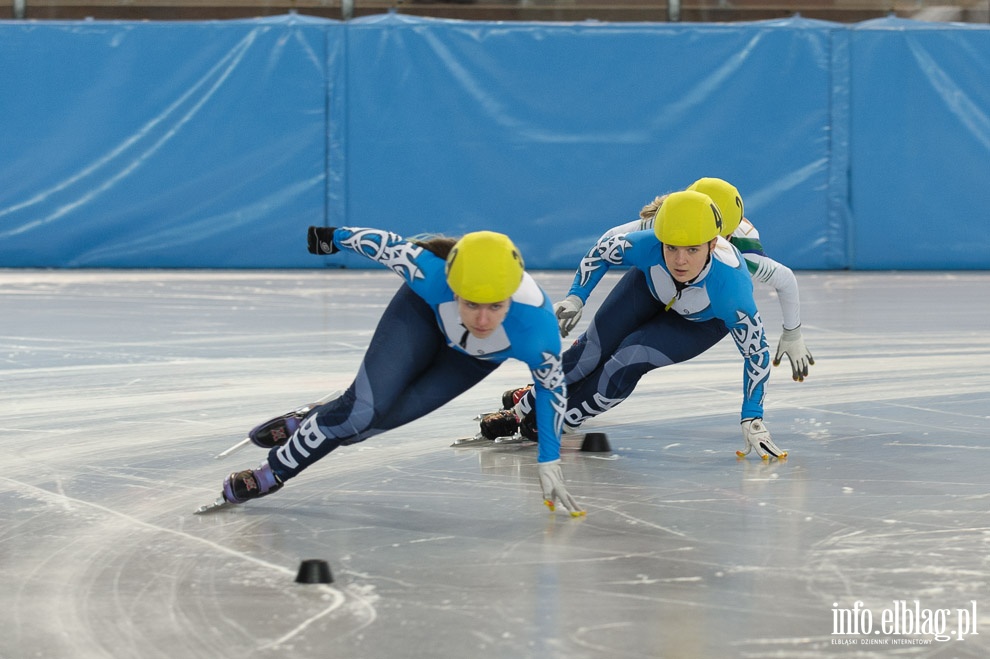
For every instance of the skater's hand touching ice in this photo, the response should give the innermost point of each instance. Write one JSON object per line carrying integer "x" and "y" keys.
{"x": 756, "y": 436}
{"x": 792, "y": 344}
{"x": 552, "y": 482}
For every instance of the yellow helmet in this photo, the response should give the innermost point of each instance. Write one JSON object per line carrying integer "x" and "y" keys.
{"x": 484, "y": 267}
{"x": 726, "y": 197}
{"x": 687, "y": 218}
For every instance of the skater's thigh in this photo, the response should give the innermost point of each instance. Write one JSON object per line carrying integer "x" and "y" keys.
{"x": 673, "y": 339}
{"x": 626, "y": 308}
{"x": 451, "y": 374}
{"x": 405, "y": 344}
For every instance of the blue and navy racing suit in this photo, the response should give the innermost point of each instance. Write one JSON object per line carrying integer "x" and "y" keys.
{"x": 762, "y": 268}
{"x": 421, "y": 357}
{"x": 647, "y": 321}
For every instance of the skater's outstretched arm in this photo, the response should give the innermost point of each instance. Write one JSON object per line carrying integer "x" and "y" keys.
{"x": 773, "y": 273}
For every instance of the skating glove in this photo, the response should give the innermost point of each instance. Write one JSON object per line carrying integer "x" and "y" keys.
{"x": 568, "y": 312}
{"x": 552, "y": 482}
{"x": 319, "y": 240}
{"x": 792, "y": 344}
{"x": 756, "y": 435}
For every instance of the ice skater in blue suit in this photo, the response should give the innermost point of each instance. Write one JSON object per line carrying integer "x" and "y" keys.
{"x": 465, "y": 307}
{"x": 688, "y": 288}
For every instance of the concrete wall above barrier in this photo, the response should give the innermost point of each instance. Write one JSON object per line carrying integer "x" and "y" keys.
{"x": 215, "y": 144}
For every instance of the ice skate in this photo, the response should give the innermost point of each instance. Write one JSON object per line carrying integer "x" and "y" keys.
{"x": 250, "y": 484}
{"x": 496, "y": 428}
{"x": 502, "y": 427}
{"x": 495, "y": 425}
{"x": 243, "y": 486}
{"x": 277, "y": 431}
{"x": 273, "y": 432}
{"x": 511, "y": 397}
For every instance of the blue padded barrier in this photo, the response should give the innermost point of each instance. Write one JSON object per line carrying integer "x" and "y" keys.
{"x": 214, "y": 144}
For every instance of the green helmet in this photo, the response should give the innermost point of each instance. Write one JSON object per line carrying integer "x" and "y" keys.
{"x": 726, "y": 197}
{"x": 688, "y": 218}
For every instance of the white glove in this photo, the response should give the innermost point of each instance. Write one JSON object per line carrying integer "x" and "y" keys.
{"x": 792, "y": 343}
{"x": 568, "y": 312}
{"x": 552, "y": 482}
{"x": 756, "y": 435}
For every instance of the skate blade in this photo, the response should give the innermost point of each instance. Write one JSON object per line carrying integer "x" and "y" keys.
{"x": 219, "y": 503}
{"x": 477, "y": 440}
{"x": 512, "y": 439}
{"x": 236, "y": 447}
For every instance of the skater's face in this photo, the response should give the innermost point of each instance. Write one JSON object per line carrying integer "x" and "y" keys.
{"x": 482, "y": 319}
{"x": 686, "y": 263}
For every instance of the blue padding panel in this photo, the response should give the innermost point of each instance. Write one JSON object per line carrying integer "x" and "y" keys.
{"x": 215, "y": 144}
{"x": 920, "y": 145}
{"x": 162, "y": 144}
{"x": 554, "y": 133}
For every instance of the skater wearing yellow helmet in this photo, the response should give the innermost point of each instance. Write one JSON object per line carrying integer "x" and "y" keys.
{"x": 687, "y": 289}
{"x": 466, "y": 306}
{"x": 739, "y": 231}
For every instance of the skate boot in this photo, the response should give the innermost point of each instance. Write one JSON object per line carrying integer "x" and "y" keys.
{"x": 513, "y": 396}
{"x": 499, "y": 424}
{"x": 277, "y": 431}
{"x": 249, "y": 484}
{"x": 527, "y": 427}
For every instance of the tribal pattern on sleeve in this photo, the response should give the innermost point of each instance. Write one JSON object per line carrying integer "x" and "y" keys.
{"x": 550, "y": 375}
{"x": 749, "y": 337}
{"x": 610, "y": 251}
{"x": 387, "y": 248}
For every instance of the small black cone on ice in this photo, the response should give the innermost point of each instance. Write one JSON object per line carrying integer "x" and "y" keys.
{"x": 596, "y": 442}
{"x": 314, "y": 571}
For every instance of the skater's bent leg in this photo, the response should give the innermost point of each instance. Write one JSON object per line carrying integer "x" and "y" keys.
{"x": 611, "y": 383}
{"x": 451, "y": 374}
{"x": 627, "y": 306}
{"x": 666, "y": 339}
{"x": 405, "y": 344}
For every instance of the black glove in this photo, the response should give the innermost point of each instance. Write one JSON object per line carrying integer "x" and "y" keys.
{"x": 319, "y": 240}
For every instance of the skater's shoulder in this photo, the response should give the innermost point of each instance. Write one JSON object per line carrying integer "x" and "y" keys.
{"x": 727, "y": 253}
{"x": 529, "y": 292}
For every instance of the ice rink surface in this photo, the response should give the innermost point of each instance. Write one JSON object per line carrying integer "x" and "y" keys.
{"x": 120, "y": 387}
